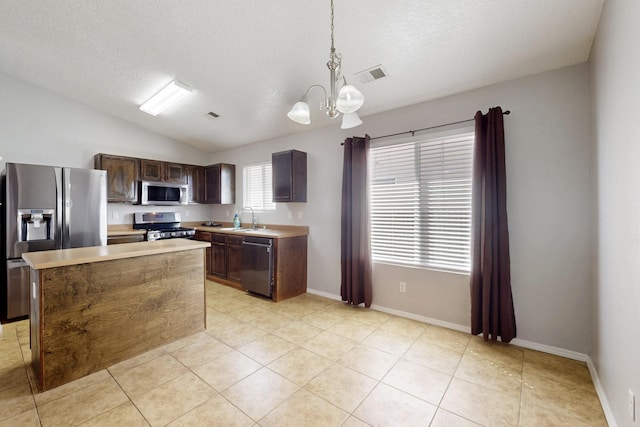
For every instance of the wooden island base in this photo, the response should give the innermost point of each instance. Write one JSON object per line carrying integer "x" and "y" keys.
{"x": 87, "y": 317}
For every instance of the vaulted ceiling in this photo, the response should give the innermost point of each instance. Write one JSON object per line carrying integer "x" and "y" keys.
{"x": 249, "y": 61}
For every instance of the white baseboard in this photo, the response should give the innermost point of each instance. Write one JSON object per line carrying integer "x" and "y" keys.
{"x": 324, "y": 294}
{"x": 570, "y": 354}
{"x": 606, "y": 408}
{"x": 423, "y": 319}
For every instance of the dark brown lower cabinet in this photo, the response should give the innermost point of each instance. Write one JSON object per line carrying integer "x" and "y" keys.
{"x": 219, "y": 255}
{"x": 224, "y": 257}
{"x": 204, "y": 236}
{"x": 234, "y": 258}
{"x": 224, "y": 262}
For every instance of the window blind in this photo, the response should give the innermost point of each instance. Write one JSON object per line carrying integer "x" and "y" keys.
{"x": 257, "y": 186}
{"x": 421, "y": 202}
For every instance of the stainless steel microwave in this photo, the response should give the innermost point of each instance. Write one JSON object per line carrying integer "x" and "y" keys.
{"x": 163, "y": 194}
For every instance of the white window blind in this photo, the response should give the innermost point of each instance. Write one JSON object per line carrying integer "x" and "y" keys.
{"x": 421, "y": 202}
{"x": 257, "y": 186}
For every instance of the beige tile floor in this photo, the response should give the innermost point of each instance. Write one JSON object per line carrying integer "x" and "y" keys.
{"x": 309, "y": 361}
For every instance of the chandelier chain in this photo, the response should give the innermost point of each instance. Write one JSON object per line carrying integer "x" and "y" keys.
{"x": 332, "y": 48}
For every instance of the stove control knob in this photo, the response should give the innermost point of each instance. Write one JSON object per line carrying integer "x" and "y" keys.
{"x": 173, "y": 234}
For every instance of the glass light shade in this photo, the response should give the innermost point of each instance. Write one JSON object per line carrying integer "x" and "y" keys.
{"x": 300, "y": 113}
{"x": 168, "y": 96}
{"x": 349, "y": 99}
{"x": 350, "y": 120}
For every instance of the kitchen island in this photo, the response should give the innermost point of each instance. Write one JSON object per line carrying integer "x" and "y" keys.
{"x": 97, "y": 306}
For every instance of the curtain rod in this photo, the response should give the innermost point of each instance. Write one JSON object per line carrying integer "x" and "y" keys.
{"x": 412, "y": 132}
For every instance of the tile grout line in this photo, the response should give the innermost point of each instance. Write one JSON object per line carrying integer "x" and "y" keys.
{"x": 128, "y": 397}
{"x": 25, "y": 366}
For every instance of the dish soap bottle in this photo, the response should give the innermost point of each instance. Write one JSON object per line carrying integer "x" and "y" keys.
{"x": 236, "y": 221}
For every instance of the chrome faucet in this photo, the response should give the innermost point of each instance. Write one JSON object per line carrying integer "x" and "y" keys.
{"x": 254, "y": 222}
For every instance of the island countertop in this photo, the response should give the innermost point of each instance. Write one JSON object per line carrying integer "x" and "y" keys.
{"x": 64, "y": 257}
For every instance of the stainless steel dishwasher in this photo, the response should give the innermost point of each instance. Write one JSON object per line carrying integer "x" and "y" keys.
{"x": 257, "y": 265}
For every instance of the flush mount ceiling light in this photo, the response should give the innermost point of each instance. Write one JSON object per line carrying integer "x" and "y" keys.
{"x": 168, "y": 95}
{"x": 348, "y": 101}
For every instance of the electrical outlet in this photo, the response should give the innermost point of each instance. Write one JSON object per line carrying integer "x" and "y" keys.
{"x": 300, "y": 215}
{"x": 632, "y": 405}
{"x": 114, "y": 215}
{"x": 403, "y": 287}
{"x": 186, "y": 214}
{"x": 290, "y": 214}
{"x": 226, "y": 215}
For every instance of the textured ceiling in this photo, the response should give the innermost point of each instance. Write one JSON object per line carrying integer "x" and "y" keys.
{"x": 249, "y": 61}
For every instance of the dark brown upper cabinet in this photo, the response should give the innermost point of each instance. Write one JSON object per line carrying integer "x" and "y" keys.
{"x": 195, "y": 179}
{"x": 220, "y": 184}
{"x": 151, "y": 170}
{"x": 122, "y": 177}
{"x": 176, "y": 173}
{"x": 155, "y": 170}
{"x": 289, "y": 174}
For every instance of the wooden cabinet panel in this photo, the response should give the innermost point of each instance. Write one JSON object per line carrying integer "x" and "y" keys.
{"x": 224, "y": 258}
{"x": 122, "y": 177}
{"x": 234, "y": 258}
{"x": 175, "y": 172}
{"x": 151, "y": 170}
{"x": 218, "y": 255}
{"x": 220, "y": 184}
{"x": 203, "y": 236}
{"x": 195, "y": 180}
{"x": 212, "y": 184}
{"x": 289, "y": 176}
{"x": 290, "y": 266}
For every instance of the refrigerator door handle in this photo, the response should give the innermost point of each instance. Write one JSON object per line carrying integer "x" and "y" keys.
{"x": 66, "y": 207}
{"x": 16, "y": 263}
{"x": 60, "y": 237}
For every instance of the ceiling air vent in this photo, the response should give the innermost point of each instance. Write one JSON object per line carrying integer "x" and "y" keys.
{"x": 371, "y": 74}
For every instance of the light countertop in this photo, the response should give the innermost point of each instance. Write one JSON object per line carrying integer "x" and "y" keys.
{"x": 64, "y": 257}
{"x": 274, "y": 231}
{"x": 281, "y": 232}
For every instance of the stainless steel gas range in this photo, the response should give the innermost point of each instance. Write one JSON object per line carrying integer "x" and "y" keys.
{"x": 162, "y": 225}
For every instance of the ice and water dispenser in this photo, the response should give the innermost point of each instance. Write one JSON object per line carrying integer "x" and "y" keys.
{"x": 36, "y": 225}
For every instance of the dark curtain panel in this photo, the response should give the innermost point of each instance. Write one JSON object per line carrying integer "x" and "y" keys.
{"x": 356, "y": 285}
{"x": 491, "y": 301}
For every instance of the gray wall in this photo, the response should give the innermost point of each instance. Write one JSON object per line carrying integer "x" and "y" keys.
{"x": 548, "y": 168}
{"x": 615, "y": 329}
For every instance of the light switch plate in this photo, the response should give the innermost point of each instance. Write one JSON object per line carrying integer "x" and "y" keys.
{"x": 632, "y": 405}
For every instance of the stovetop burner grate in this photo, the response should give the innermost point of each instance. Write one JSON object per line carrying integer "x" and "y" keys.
{"x": 161, "y": 225}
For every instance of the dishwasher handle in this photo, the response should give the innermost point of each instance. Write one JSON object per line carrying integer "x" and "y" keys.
{"x": 262, "y": 245}
{"x": 264, "y": 242}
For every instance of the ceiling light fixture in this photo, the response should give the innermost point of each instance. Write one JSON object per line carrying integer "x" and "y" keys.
{"x": 168, "y": 96}
{"x": 348, "y": 101}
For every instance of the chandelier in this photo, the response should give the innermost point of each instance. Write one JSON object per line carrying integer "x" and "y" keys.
{"x": 348, "y": 99}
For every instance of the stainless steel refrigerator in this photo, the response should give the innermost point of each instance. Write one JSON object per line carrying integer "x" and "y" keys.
{"x": 45, "y": 208}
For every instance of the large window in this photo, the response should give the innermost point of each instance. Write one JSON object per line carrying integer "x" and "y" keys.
{"x": 257, "y": 187}
{"x": 421, "y": 202}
